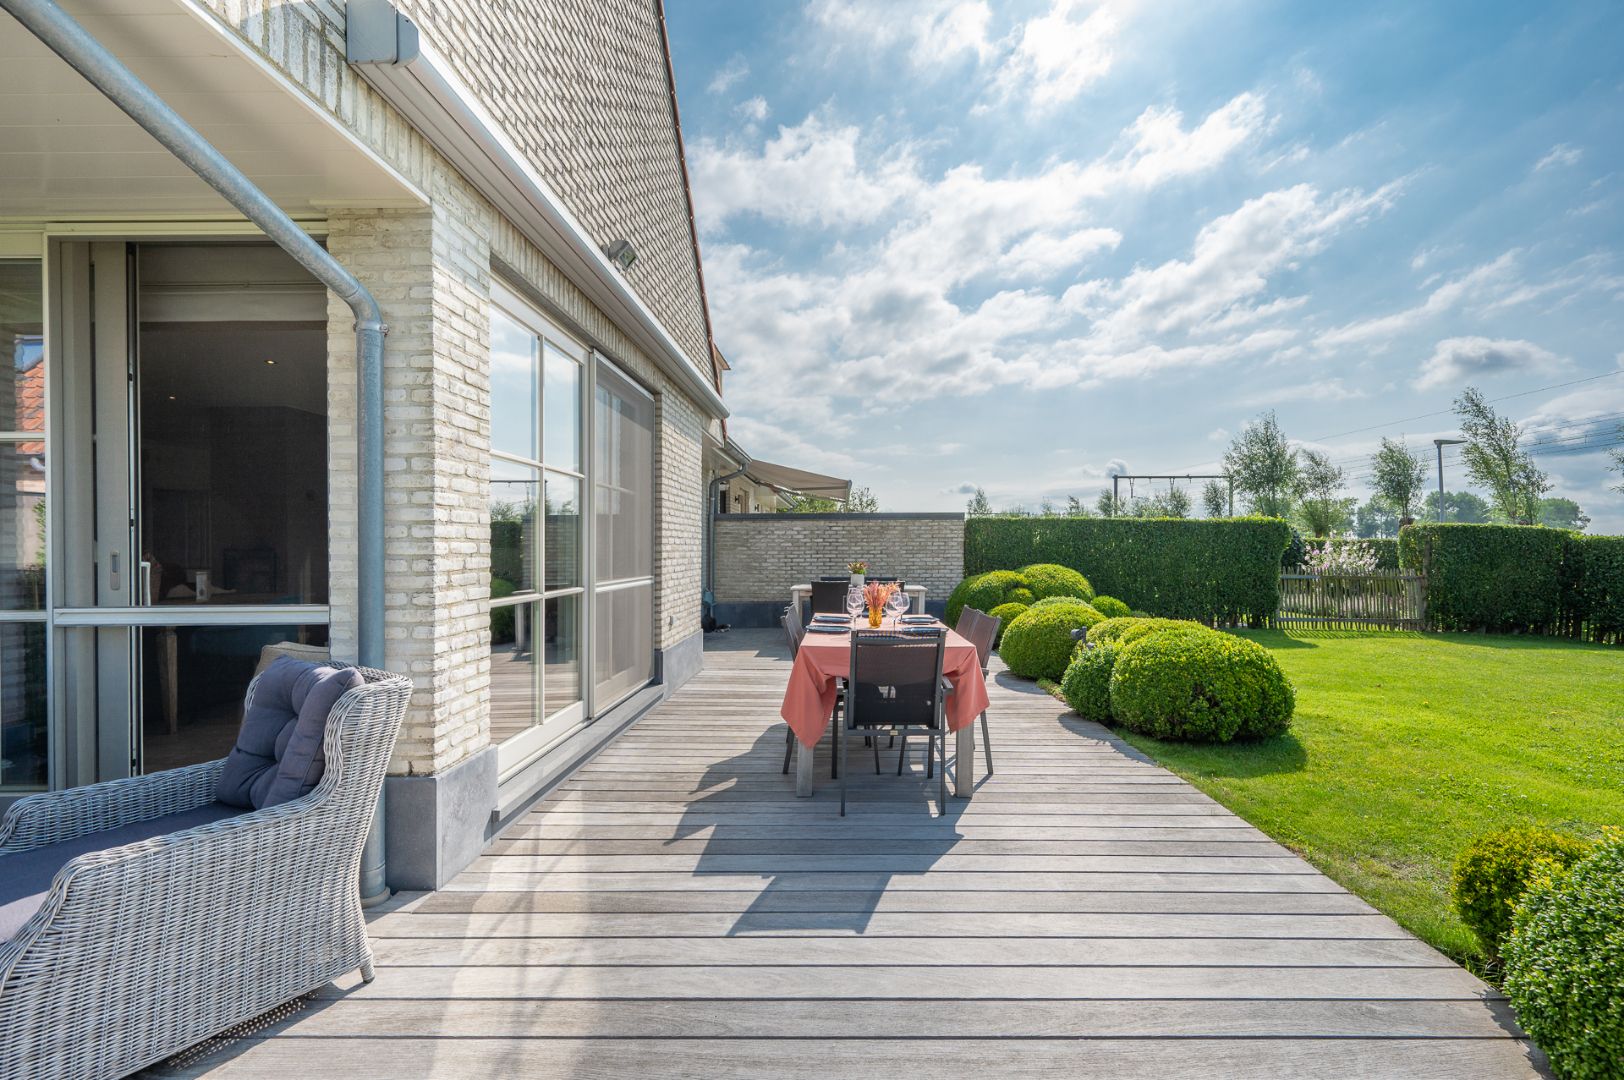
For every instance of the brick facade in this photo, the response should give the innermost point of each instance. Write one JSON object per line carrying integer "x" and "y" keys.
{"x": 431, "y": 270}
{"x": 760, "y": 556}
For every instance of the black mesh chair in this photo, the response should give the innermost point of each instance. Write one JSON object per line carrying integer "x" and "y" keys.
{"x": 895, "y": 688}
{"x": 829, "y": 597}
{"x": 980, "y": 630}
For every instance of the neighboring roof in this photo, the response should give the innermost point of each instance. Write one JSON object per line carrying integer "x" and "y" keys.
{"x": 799, "y": 480}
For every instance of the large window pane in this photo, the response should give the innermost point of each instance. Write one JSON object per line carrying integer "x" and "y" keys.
{"x": 623, "y": 657}
{"x": 561, "y": 416}
{"x": 193, "y": 682}
{"x": 22, "y": 526}
{"x": 22, "y": 705}
{"x": 623, "y": 475}
{"x": 515, "y": 692}
{"x": 563, "y": 652}
{"x": 513, "y": 528}
{"x": 563, "y": 531}
{"x": 22, "y": 355}
{"x": 515, "y": 382}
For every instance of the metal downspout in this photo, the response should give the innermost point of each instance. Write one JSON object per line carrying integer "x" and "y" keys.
{"x": 707, "y": 592}
{"x": 102, "y": 69}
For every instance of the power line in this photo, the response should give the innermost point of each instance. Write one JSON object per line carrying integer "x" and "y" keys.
{"x": 1447, "y": 412}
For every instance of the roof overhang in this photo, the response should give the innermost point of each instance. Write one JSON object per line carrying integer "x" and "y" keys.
{"x": 799, "y": 481}
{"x": 68, "y": 152}
{"x": 421, "y": 83}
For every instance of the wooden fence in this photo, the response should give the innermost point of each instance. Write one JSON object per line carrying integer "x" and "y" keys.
{"x": 1384, "y": 600}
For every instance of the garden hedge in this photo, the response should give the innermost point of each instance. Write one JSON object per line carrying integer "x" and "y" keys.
{"x": 1224, "y": 570}
{"x": 1565, "y": 964}
{"x": 986, "y": 591}
{"x": 1519, "y": 578}
{"x": 1120, "y": 631}
{"x": 1004, "y": 613}
{"x": 1110, "y": 607}
{"x": 1038, "y": 644}
{"x": 1493, "y": 872}
{"x": 1087, "y": 683}
{"x": 1200, "y": 685}
{"x": 1051, "y": 579}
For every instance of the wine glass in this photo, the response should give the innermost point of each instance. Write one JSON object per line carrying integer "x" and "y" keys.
{"x": 854, "y": 601}
{"x": 898, "y": 603}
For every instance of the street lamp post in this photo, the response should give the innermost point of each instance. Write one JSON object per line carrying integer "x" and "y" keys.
{"x": 1440, "y": 444}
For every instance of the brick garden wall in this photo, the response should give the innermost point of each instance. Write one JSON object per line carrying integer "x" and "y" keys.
{"x": 760, "y": 556}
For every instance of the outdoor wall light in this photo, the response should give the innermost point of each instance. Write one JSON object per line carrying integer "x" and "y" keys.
{"x": 622, "y": 254}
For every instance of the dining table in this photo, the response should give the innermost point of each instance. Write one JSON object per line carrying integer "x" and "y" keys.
{"x": 824, "y": 659}
{"x": 799, "y": 594}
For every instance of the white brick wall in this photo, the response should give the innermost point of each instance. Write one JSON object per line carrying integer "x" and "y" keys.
{"x": 759, "y": 557}
{"x": 431, "y": 271}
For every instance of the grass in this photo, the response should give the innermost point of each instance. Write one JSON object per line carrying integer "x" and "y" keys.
{"x": 1407, "y": 746}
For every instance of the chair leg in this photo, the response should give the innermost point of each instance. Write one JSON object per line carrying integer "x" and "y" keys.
{"x": 902, "y": 757}
{"x": 941, "y": 774}
{"x": 986, "y": 742}
{"x": 840, "y": 747}
{"x": 875, "y": 743}
{"x": 930, "y": 762}
{"x": 789, "y": 748}
{"x": 367, "y": 974}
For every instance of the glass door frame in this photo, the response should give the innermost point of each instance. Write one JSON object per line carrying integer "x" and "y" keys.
{"x": 79, "y": 750}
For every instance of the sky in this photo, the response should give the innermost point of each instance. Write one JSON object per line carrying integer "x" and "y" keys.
{"x": 1024, "y": 244}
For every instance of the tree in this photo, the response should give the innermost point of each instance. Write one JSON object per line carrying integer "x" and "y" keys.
{"x": 1215, "y": 499}
{"x": 1495, "y": 459}
{"x": 862, "y": 501}
{"x": 1264, "y": 467}
{"x": 1174, "y": 503}
{"x": 1017, "y": 510}
{"x": 1324, "y": 510}
{"x": 1374, "y": 518}
{"x": 1109, "y": 505}
{"x": 1562, "y": 514}
{"x": 1399, "y": 477}
{"x": 1461, "y": 507}
{"x": 810, "y": 504}
{"x": 1617, "y": 456}
{"x": 1075, "y": 507}
{"x": 1046, "y": 507}
{"x": 979, "y": 505}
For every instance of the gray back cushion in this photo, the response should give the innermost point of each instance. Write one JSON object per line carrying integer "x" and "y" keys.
{"x": 278, "y": 756}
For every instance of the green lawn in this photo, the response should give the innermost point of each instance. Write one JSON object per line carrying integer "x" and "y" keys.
{"x": 1406, "y": 746}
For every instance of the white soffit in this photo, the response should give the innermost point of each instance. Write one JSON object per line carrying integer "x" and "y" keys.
{"x": 66, "y": 151}
{"x": 440, "y": 105}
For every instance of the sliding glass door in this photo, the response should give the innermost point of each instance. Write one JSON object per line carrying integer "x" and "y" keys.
{"x": 572, "y": 539}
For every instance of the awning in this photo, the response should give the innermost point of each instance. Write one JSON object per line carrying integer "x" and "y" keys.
{"x": 68, "y": 151}
{"x": 799, "y": 480}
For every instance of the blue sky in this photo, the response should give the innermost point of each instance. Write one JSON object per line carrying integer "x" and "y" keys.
{"x": 1021, "y": 244}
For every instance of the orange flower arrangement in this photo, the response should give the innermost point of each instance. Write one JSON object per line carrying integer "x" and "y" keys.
{"x": 875, "y": 594}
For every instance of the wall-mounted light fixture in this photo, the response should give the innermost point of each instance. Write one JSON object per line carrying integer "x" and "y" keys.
{"x": 622, "y": 254}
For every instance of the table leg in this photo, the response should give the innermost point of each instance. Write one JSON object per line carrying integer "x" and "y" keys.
{"x": 964, "y": 768}
{"x": 803, "y": 769}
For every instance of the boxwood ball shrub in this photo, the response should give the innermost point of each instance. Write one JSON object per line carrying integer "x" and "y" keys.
{"x": 986, "y": 591}
{"x": 1051, "y": 601}
{"x": 1199, "y": 685}
{"x": 1087, "y": 683}
{"x": 1494, "y": 871}
{"x": 1110, "y": 607}
{"x": 1004, "y": 613}
{"x": 1038, "y": 644}
{"x": 1565, "y": 965}
{"x": 1052, "y": 579}
{"x": 1124, "y": 629}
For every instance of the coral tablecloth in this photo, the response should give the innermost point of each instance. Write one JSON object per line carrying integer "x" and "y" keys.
{"x": 809, "y": 699}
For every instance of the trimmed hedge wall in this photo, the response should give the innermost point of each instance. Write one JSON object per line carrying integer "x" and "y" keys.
{"x": 1521, "y": 578}
{"x": 1224, "y": 570}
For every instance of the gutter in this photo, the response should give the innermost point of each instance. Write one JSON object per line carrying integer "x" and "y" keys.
{"x": 82, "y": 52}
{"x": 385, "y": 47}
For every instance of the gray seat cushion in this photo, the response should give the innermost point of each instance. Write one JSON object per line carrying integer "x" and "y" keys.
{"x": 25, "y": 876}
{"x": 278, "y": 756}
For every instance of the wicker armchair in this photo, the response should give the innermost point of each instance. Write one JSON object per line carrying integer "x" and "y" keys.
{"x": 143, "y": 950}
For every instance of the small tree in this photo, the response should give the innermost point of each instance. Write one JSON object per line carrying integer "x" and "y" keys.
{"x": 979, "y": 505}
{"x": 862, "y": 501}
{"x": 1324, "y": 510}
{"x": 1075, "y": 507}
{"x": 1562, "y": 514}
{"x": 1109, "y": 505}
{"x": 1617, "y": 456}
{"x": 1173, "y": 503}
{"x": 1460, "y": 507}
{"x": 1264, "y": 467}
{"x": 810, "y": 504}
{"x": 1046, "y": 507}
{"x": 1495, "y": 459}
{"x": 1215, "y": 499}
{"x": 1374, "y": 518}
{"x": 1399, "y": 477}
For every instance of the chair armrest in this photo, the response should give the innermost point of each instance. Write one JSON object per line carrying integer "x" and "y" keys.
{"x": 54, "y": 816}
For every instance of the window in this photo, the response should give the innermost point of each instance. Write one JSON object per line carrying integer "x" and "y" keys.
{"x": 623, "y": 526}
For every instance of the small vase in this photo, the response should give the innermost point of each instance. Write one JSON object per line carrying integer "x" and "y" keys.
{"x": 874, "y": 616}
{"x": 857, "y": 580}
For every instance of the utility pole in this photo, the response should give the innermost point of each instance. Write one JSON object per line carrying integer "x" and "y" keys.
{"x": 1440, "y": 444}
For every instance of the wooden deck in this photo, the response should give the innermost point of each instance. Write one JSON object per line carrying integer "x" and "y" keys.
{"x": 674, "y": 910}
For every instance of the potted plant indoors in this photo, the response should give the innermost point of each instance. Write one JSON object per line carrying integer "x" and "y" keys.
{"x": 858, "y": 569}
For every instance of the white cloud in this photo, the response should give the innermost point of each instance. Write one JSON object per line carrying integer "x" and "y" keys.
{"x": 1559, "y": 156}
{"x": 1061, "y": 53}
{"x": 1458, "y": 360}
{"x": 931, "y": 31}
{"x": 729, "y": 74}
{"x": 1314, "y": 390}
{"x": 754, "y": 110}
{"x": 1494, "y": 278}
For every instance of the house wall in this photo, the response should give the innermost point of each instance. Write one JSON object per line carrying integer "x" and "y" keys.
{"x": 759, "y": 557}
{"x": 431, "y": 270}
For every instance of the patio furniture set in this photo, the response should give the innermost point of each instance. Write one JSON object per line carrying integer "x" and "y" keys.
{"x": 910, "y": 676}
